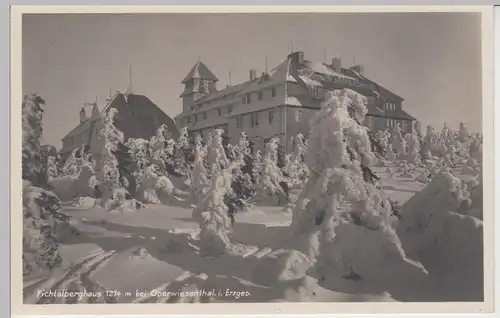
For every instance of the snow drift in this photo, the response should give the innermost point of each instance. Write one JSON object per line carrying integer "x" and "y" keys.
{"x": 440, "y": 227}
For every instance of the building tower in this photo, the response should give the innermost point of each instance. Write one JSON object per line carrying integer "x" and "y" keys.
{"x": 199, "y": 82}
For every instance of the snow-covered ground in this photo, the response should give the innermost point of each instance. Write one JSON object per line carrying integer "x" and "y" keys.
{"x": 151, "y": 255}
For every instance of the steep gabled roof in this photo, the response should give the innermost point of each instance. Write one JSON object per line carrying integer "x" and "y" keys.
{"x": 137, "y": 117}
{"x": 382, "y": 91}
{"x": 201, "y": 71}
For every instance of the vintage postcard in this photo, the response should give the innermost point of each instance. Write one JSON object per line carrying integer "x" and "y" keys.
{"x": 205, "y": 159}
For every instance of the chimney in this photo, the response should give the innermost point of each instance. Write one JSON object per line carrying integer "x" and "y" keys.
{"x": 358, "y": 68}
{"x": 253, "y": 74}
{"x": 297, "y": 57}
{"x": 83, "y": 115}
{"x": 337, "y": 65}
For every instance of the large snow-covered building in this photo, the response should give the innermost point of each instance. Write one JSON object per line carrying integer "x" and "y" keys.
{"x": 137, "y": 117}
{"x": 280, "y": 103}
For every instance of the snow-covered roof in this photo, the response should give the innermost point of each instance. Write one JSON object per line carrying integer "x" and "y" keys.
{"x": 291, "y": 79}
{"x": 309, "y": 81}
{"x": 322, "y": 68}
{"x": 201, "y": 71}
{"x": 293, "y": 101}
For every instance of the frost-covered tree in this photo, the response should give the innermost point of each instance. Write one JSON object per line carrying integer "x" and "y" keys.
{"x": 42, "y": 223}
{"x": 463, "y": 134}
{"x": 398, "y": 142}
{"x": 257, "y": 163}
{"x": 183, "y": 154}
{"x": 212, "y": 214}
{"x": 126, "y": 168}
{"x": 42, "y": 218}
{"x": 429, "y": 143}
{"x": 33, "y": 108}
{"x": 295, "y": 168}
{"x": 52, "y": 168}
{"x": 199, "y": 179}
{"x": 476, "y": 148}
{"x": 269, "y": 187}
{"x": 241, "y": 184}
{"x": 216, "y": 157}
{"x": 413, "y": 143}
{"x": 110, "y": 182}
{"x": 445, "y": 136}
{"x": 418, "y": 130}
{"x": 340, "y": 207}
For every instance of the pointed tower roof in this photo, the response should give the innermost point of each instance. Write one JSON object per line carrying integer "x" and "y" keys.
{"x": 201, "y": 71}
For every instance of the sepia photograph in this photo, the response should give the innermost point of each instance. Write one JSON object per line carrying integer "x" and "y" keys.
{"x": 252, "y": 157}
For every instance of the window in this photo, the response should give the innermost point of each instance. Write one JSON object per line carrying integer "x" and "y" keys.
{"x": 219, "y": 110}
{"x": 195, "y": 118}
{"x": 189, "y": 120}
{"x": 271, "y": 117}
{"x": 254, "y": 120}
{"x": 261, "y": 96}
{"x": 249, "y": 98}
{"x": 298, "y": 115}
{"x": 204, "y": 115}
{"x": 229, "y": 109}
{"x": 244, "y": 100}
{"x": 273, "y": 92}
{"x": 288, "y": 87}
{"x": 239, "y": 122}
{"x": 316, "y": 92}
{"x": 404, "y": 126}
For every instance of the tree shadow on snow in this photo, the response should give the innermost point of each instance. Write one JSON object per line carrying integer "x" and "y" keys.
{"x": 255, "y": 234}
{"x": 391, "y": 188}
{"x": 224, "y": 272}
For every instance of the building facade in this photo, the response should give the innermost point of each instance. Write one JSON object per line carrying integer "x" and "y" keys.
{"x": 280, "y": 103}
{"x": 137, "y": 117}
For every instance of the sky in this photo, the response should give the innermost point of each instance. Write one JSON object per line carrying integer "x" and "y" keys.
{"x": 432, "y": 60}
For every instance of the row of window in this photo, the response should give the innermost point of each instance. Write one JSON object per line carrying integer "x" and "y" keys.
{"x": 389, "y": 106}
{"x": 247, "y": 98}
{"x": 201, "y": 116}
{"x": 271, "y": 117}
{"x": 393, "y": 122}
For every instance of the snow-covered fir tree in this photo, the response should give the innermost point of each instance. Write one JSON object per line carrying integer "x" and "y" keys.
{"x": 257, "y": 162}
{"x": 216, "y": 156}
{"x": 463, "y": 133}
{"x": 52, "y": 168}
{"x": 446, "y": 134}
{"x": 414, "y": 155}
{"x": 184, "y": 155}
{"x": 41, "y": 208}
{"x": 340, "y": 204}
{"x": 110, "y": 182}
{"x": 213, "y": 216}
{"x": 33, "y": 108}
{"x": 476, "y": 148}
{"x": 295, "y": 168}
{"x": 269, "y": 188}
{"x": 241, "y": 184}
{"x": 418, "y": 130}
{"x": 429, "y": 143}
{"x": 398, "y": 142}
{"x": 199, "y": 178}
